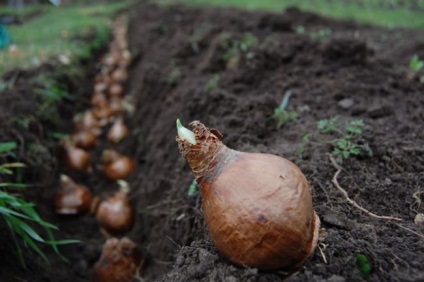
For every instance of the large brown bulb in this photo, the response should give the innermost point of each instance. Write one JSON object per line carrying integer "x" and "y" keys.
{"x": 258, "y": 207}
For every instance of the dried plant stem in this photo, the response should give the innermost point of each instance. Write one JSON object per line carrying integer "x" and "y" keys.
{"x": 346, "y": 195}
{"x": 322, "y": 252}
{"x": 410, "y": 230}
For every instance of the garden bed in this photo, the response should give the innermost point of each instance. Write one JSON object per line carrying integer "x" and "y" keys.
{"x": 230, "y": 69}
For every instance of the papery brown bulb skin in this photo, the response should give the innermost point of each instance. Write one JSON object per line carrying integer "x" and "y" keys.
{"x": 101, "y": 85}
{"x": 119, "y": 75}
{"x": 76, "y": 158}
{"x": 118, "y": 131}
{"x": 116, "y": 166}
{"x": 99, "y": 100}
{"x": 258, "y": 207}
{"x": 84, "y": 139}
{"x": 116, "y": 215}
{"x": 72, "y": 198}
{"x": 119, "y": 262}
{"x": 110, "y": 60}
{"x": 86, "y": 121}
{"x": 103, "y": 112}
{"x": 116, "y": 105}
{"x": 273, "y": 225}
{"x": 116, "y": 89}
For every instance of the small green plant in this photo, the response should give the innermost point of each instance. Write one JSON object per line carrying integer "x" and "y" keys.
{"x": 321, "y": 34}
{"x": 348, "y": 144}
{"x": 363, "y": 264}
{"x": 327, "y": 125}
{"x": 281, "y": 115}
{"x": 300, "y": 29}
{"x": 174, "y": 75}
{"x": 21, "y": 216}
{"x": 212, "y": 83}
{"x": 234, "y": 48}
{"x": 3, "y": 85}
{"x": 415, "y": 64}
{"x": 301, "y": 147}
{"x": 193, "y": 188}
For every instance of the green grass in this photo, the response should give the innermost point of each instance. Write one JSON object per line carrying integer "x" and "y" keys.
{"x": 20, "y": 216}
{"x": 375, "y": 12}
{"x": 71, "y": 31}
{"x": 24, "y": 11}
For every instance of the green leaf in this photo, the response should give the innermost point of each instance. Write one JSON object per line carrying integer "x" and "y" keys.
{"x": 357, "y": 122}
{"x": 367, "y": 149}
{"x": 4, "y": 168}
{"x": 302, "y": 145}
{"x": 415, "y": 64}
{"x": 363, "y": 264}
{"x": 9, "y": 212}
{"x": 353, "y": 130}
{"x": 327, "y": 125}
{"x": 355, "y": 127}
{"x": 29, "y": 242}
{"x": 192, "y": 189}
{"x": 7, "y": 147}
{"x": 322, "y": 124}
{"x": 342, "y": 143}
{"x": 355, "y": 150}
{"x": 63, "y": 242}
{"x": 13, "y": 185}
{"x": 31, "y": 232}
{"x": 345, "y": 154}
{"x": 58, "y": 136}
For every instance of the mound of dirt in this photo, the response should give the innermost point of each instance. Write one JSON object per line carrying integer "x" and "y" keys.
{"x": 192, "y": 64}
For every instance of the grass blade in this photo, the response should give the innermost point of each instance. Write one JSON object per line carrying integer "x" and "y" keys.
{"x": 7, "y": 147}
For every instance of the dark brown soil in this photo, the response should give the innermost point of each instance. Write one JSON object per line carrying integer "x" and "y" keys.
{"x": 176, "y": 54}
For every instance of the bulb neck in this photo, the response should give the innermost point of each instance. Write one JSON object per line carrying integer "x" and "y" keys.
{"x": 208, "y": 168}
{"x": 209, "y": 156}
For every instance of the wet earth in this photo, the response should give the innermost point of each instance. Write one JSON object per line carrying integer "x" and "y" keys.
{"x": 230, "y": 69}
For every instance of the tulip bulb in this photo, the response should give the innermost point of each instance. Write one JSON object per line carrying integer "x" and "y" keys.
{"x": 116, "y": 89}
{"x": 116, "y": 215}
{"x": 98, "y": 100}
{"x": 119, "y": 75}
{"x": 84, "y": 139}
{"x": 86, "y": 120}
{"x": 102, "y": 113}
{"x": 72, "y": 198}
{"x": 76, "y": 158}
{"x": 120, "y": 261}
{"x": 118, "y": 131}
{"x": 100, "y": 86}
{"x": 116, "y": 105}
{"x": 116, "y": 166}
{"x": 258, "y": 207}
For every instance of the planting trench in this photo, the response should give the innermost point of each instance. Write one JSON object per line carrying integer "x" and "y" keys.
{"x": 177, "y": 54}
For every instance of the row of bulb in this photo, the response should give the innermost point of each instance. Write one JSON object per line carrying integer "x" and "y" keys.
{"x": 121, "y": 258}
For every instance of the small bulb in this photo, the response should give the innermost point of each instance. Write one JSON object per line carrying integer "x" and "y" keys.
{"x": 71, "y": 198}
{"x": 116, "y": 214}
{"x": 120, "y": 261}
